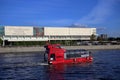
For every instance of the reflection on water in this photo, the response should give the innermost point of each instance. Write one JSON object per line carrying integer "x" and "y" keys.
{"x": 27, "y": 66}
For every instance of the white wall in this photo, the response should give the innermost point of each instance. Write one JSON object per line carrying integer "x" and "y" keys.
{"x": 56, "y": 31}
{"x": 81, "y": 31}
{"x": 18, "y": 31}
{"x": 53, "y": 31}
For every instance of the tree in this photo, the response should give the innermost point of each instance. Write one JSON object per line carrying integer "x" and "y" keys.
{"x": 118, "y": 38}
{"x": 99, "y": 38}
{"x": 111, "y": 39}
{"x": 93, "y": 37}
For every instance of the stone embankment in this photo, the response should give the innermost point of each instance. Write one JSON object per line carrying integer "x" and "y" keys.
{"x": 34, "y": 49}
{"x": 94, "y": 47}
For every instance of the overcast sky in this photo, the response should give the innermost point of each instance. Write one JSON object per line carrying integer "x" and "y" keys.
{"x": 102, "y": 14}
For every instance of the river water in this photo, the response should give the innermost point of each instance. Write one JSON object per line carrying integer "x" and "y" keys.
{"x": 28, "y": 66}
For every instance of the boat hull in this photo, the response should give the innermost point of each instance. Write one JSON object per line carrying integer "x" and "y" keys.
{"x": 73, "y": 60}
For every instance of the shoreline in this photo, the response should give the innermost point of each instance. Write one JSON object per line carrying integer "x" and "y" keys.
{"x": 39, "y": 49}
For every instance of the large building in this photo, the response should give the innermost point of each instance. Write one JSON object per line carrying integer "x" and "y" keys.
{"x": 30, "y": 33}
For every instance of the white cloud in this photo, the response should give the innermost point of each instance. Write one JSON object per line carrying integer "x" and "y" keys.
{"x": 99, "y": 13}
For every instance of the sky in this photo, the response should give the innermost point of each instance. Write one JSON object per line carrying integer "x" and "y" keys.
{"x": 101, "y": 14}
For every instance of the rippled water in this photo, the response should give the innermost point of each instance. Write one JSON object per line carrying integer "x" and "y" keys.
{"x": 27, "y": 66}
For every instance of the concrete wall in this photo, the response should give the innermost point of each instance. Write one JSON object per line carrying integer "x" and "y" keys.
{"x": 59, "y": 31}
{"x": 18, "y": 31}
{"x": 82, "y": 31}
{"x": 32, "y": 49}
{"x": 52, "y": 31}
{"x": 56, "y": 31}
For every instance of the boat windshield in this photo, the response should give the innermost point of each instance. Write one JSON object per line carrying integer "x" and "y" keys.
{"x": 58, "y": 46}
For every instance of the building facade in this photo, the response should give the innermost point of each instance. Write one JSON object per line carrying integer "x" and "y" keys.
{"x": 31, "y": 33}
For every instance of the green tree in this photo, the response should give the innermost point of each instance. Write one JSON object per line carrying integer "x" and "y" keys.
{"x": 100, "y": 39}
{"x": 111, "y": 38}
{"x": 93, "y": 37}
{"x": 118, "y": 38}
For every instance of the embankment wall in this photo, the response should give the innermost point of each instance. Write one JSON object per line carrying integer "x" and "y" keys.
{"x": 34, "y": 49}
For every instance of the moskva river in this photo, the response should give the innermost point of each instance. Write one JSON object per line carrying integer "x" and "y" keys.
{"x": 30, "y": 66}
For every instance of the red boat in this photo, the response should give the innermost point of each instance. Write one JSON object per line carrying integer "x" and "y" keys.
{"x": 55, "y": 54}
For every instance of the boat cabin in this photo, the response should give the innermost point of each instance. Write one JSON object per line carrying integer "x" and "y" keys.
{"x": 55, "y": 54}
